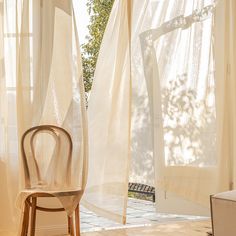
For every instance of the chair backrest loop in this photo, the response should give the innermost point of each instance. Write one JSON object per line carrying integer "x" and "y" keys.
{"x": 35, "y": 145}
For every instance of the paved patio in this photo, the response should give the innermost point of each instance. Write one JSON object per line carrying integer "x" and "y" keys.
{"x": 139, "y": 213}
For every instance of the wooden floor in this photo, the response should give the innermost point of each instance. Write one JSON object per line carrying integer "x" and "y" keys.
{"x": 193, "y": 228}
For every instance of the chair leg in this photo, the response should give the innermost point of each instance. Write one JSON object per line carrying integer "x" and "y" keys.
{"x": 27, "y": 217}
{"x": 25, "y": 222}
{"x": 77, "y": 220}
{"x": 33, "y": 216}
{"x": 71, "y": 230}
{"x": 69, "y": 224}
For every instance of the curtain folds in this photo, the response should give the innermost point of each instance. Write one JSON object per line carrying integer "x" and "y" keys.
{"x": 162, "y": 110}
{"x": 226, "y": 94}
{"x": 41, "y": 83}
{"x": 182, "y": 103}
{"x": 109, "y": 128}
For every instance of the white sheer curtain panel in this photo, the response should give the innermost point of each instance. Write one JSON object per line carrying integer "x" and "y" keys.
{"x": 225, "y": 44}
{"x": 41, "y": 83}
{"x": 181, "y": 90}
{"x": 109, "y": 116}
{"x": 182, "y": 75}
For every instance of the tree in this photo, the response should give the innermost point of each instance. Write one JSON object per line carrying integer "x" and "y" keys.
{"x": 99, "y": 11}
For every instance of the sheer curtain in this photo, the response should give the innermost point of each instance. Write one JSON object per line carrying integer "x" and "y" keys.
{"x": 226, "y": 94}
{"x": 109, "y": 117}
{"x": 183, "y": 98}
{"x": 41, "y": 83}
{"x": 181, "y": 137}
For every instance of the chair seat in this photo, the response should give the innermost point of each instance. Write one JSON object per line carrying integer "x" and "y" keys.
{"x": 36, "y": 192}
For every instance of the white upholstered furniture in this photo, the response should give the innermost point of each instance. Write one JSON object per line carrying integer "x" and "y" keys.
{"x": 223, "y": 211}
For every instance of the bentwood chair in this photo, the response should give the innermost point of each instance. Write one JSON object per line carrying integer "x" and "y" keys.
{"x": 37, "y": 182}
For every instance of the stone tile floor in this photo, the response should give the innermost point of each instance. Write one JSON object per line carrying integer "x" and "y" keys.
{"x": 184, "y": 228}
{"x": 139, "y": 213}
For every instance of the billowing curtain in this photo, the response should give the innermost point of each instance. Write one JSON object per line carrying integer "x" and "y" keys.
{"x": 109, "y": 112}
{"x": 41, "y": 83}
{"x": 183, "y": 98}
{"x": 181, "y": 91}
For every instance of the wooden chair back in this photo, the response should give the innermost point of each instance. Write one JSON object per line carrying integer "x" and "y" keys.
{"x": 37, "y": 141}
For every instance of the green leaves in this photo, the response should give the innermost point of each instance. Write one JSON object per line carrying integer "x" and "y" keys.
{"x": 99, "y": 11}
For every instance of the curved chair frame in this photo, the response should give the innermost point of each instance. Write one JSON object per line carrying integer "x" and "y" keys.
{"x": 30, "y": 206}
